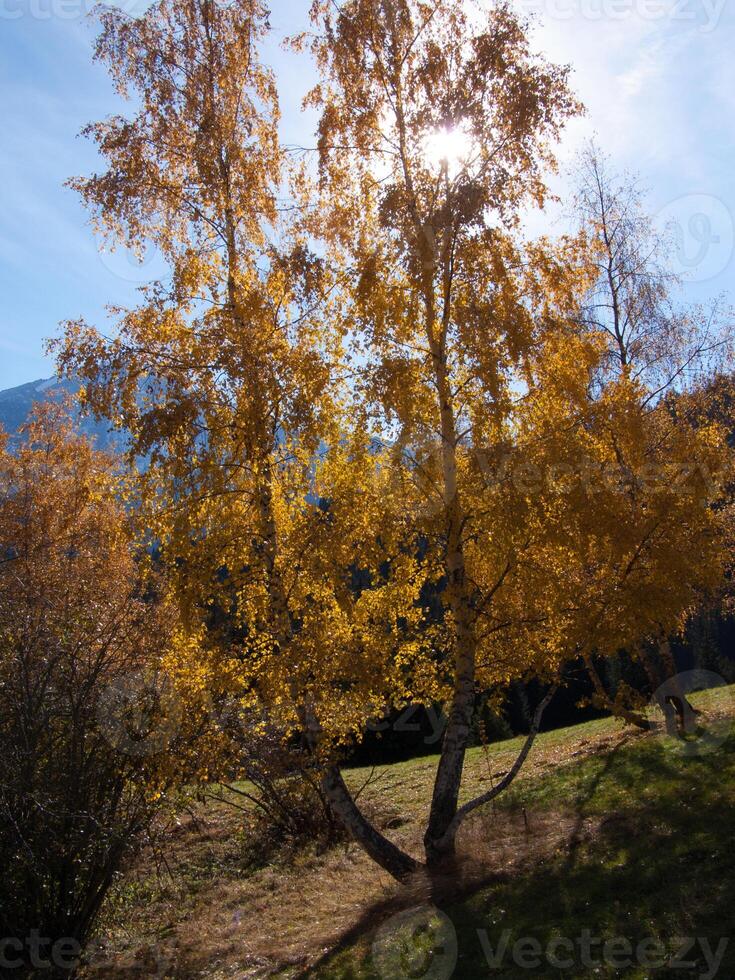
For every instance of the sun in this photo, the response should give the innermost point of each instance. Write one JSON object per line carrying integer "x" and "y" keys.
{"x": 451, "y": 147}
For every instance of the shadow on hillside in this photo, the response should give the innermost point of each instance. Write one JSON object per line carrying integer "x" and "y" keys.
{"x": 642, "y": 853}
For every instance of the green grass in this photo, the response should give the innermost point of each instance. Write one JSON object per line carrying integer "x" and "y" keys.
{"x": 647, "y": 855}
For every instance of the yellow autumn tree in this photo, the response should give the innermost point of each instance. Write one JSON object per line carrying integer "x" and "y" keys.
{"x": 435, "y": 130}
{"x": 341, "y": 400}
{"x": 437, "y": 125}
{"x": 664, "y": 355}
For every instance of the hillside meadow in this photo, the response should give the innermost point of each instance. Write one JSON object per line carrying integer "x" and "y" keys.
{"x": 606, "y": 829}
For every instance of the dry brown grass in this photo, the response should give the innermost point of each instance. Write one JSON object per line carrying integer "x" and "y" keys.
{"x": 284, "y": 918}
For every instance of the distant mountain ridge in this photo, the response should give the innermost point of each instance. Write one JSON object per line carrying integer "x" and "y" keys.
{"x": 17, "y": 403}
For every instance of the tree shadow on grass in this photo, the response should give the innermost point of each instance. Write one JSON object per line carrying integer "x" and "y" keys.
{"x": 645, "y": 857}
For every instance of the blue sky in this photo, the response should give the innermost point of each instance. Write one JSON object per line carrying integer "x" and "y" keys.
{"x": 657, "y": 78}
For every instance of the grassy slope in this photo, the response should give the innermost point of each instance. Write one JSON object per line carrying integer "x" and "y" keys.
{"x": 605, "y": 830}
{"x": 645, "y": 853}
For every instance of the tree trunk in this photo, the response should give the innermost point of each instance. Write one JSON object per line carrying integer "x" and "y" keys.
{"x": 456, "y": 736}
{"x": 438, "y": 844}
{"x": 686, "y": 714}
{"x": 391, "y": 858}
{"x": 447, "y": 843}
{"x": 656, "y": 680}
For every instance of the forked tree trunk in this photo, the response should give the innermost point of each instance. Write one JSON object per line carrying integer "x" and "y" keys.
{"x": 686, "y": 714}
{"x": 446, "y": 845}
{"x": 656, "y": 680}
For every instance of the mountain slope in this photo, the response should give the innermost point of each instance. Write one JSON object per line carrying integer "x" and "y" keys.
{"x": 17, "y": 403}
